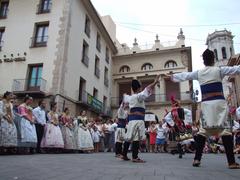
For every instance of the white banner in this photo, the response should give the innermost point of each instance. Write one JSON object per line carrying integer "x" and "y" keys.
{"x": 149, "y": 117}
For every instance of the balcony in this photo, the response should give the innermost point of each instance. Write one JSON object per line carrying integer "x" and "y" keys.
{"x": 157, "y": 99}
{"x": 85, "y": 60}
{"x": 35, "y": 87}
{"x": 39, "y": 41}
{"x": 44, "y": 8}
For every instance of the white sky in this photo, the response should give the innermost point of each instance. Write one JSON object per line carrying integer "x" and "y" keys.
{"x": 176, "y": 13}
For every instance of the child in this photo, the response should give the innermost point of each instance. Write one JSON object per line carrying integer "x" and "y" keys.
{"x": 152, "y": 134}
{"x": 96, "y": 138}
{"x": 161, "y": 138}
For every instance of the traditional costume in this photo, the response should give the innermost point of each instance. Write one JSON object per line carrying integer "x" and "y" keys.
{"x": 52, "y": 133}
{"x": 8, "y": 131}
{"x": 214, "y": 107}
{"x": 28, "y": 136}
{"x": 83, "y": 136}
{"x": 121, "y": 129}
{"x": 136, "y": 126}
{"x": 67, "y": 132}
{"x": 179, "y": 118}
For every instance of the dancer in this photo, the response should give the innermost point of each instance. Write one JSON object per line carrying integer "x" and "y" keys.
{"x": 178, "y": 118}
{"x": 120, "y": 132}
{"x": 136, "y": 127}
{"x": 214, "y": 108}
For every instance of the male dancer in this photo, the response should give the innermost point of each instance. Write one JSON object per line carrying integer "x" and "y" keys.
{"x": 136, "y": 126}
{"x": 122, "y": 115}
{"x": 214, "y": 108}
{"x": 178, "y": 118}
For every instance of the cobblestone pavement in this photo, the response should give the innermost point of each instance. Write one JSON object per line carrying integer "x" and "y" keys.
{"x": 104, "y": 166}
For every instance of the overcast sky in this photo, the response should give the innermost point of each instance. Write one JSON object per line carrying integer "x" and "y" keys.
{"x": 144, "y": 19}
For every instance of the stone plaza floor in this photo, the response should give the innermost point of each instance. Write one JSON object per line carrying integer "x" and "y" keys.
{"x": 104, "y": 166}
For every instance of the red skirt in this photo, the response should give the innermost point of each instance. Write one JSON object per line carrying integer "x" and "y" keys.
{"x": 153, "y": 136}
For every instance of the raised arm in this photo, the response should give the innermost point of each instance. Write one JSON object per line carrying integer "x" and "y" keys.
{"x": 228, "y": 70}
{"x": 178, "y": 77}
{"x": 148, "y": 90}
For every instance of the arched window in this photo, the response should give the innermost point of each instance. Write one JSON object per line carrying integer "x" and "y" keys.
{"x": 224, "y": 54}
{"x": 147, "y": 66}
{"x": 216, "y": 54}
{"x": 170, "y": 64}
{"x": 124, "y": 69}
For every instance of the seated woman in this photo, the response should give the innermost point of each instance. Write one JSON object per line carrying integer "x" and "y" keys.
{"x": 52, "y": 133}
{"x": 8, "y": 131}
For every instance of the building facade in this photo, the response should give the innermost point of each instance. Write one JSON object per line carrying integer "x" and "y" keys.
{"x": 144, "y": 65}
{"x": 58, "y": 50}
{"x": 221, "y": 43}
{"x": 234, "y": 96}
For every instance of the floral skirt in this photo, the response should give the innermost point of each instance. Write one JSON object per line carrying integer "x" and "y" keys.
{"x": 52, "y": 137}
{"x": 8, "y": 134}
{"x": 68, "y": 138}
{"x": 83, "y": 139}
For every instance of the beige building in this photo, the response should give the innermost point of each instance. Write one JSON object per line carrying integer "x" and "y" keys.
{"x": 144, "y": 65}
{"x": 56, "y": 49}
{"x": 234, "y": 97}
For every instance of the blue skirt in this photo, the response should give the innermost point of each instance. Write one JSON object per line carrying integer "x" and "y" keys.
{"x": 160, "y": 141}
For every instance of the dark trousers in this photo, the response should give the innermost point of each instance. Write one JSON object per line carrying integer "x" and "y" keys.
{"x": 40, "y": 131}
{"x": 227, "y": 143}
{"x": 135, "y": 149}
{"x": 118, "y": 148}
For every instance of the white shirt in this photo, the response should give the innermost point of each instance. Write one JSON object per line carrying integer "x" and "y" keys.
{"x": 40, "y": 115}
{"x": 161, "y": 133}
{"x": 95, "y": 136}
{"x": 137, "y": 100}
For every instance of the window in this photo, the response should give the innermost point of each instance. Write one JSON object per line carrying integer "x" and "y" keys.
{"x": 231, "y": 51}
{"x": 216, "y": 54}
{"x": 224, "y": 54}
{"x": 124, "y": 69}
{"x": 44, "y": 6}
{"x": 107, "y": 55}
{"x": 85, "y": 58}
{"x": 41, "y": 35}
{"x": 35, "y": 77}
{"x": 98, "y": 43}
{"x": 147, "y": 66}
{"x": 104, "y": 103}
{"x": 87, "y": 26}
{"x": 106, "y": 80}
{"x": 170, "y": 64}
{"x": 4, "y": 9}
{"x": 82, "y": 90}
{"x": 2, "y": 30}
{"x": 97, "y": 70}
{"x": 95, "y": 93}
